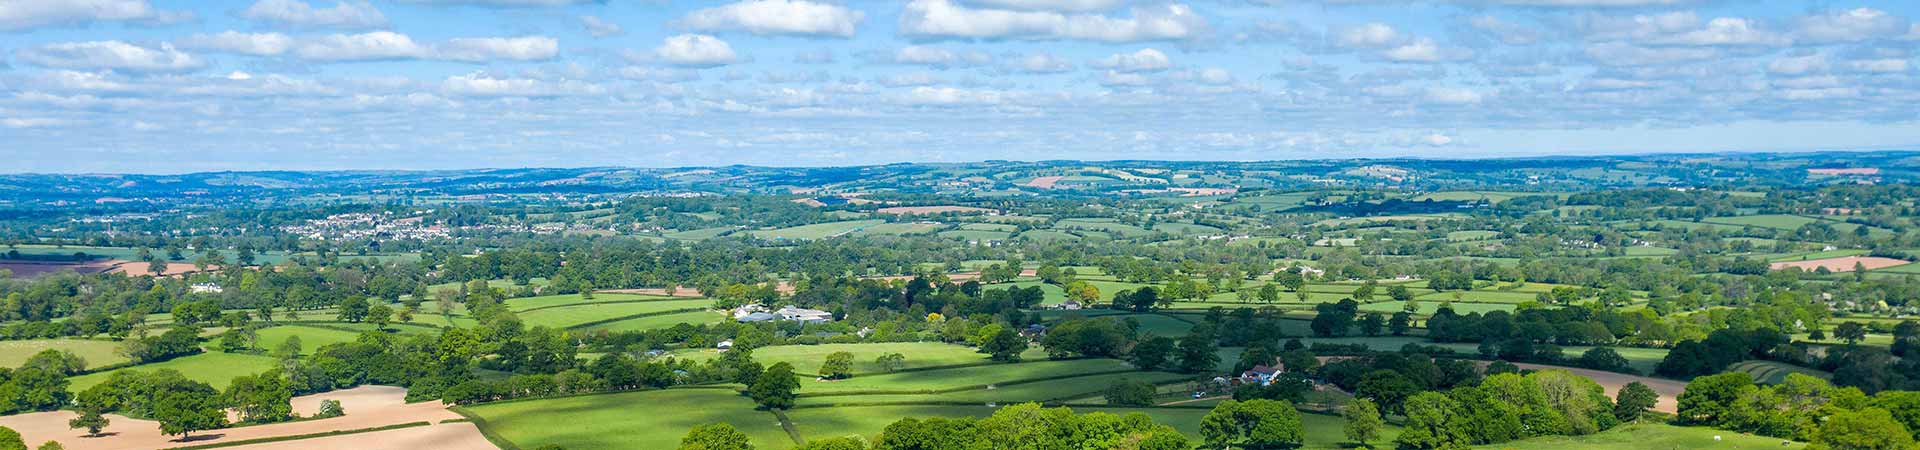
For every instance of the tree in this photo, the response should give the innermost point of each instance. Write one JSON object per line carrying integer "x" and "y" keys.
{"x": 188, "y": 406}
{"x": 10, "y": 440}
{"x": 715, "y": 436}
{"x": 1371, "y": 323}
{"x": 1851, "y": 332}
{"x": 330, "y": 408}
{"x": 834, "y": 443}
{"x": 1153, "y": 353}
{"x": 1603, "y": 358}
{"x": 262, "y": 398}
{"x": 1633, "y": 402}
{"x": 1363, "y": 422}
{"x": 1198, "y": 352}
{"x": 1005, "y": 346}
{"x": 1126, "y": 392}
{"x": 90, "y": 420}
{"x": 379, "y": 316}
{"x": 1432, "y": 422}
{"x": 62, "y": 362}
{"x": 1253, "y": 424}
{"x": 51, "y": 445}
{"x": 1387, "y": 388}
{"x": 890, "y": 362}
{"x": 1708, "y": 399}
{"x": 838, "y": 365}
{"x": 353, "y": 309}
{"x": 1865, "y": 429}
{"x": 775, "y": 387}
{"x": 1400, "y": 323}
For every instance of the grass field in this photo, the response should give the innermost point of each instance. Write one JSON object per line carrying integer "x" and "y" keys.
{"x": 569, "y": 316}
{"x": 97, "y": 353}
{"x": 1771, "y": 372}
{"x": 807, "y": 358}
{"x": 818, "y": 230}
{"x": 310, "y": 337}
{"x": 1323, "y": 432}
{"x": 630, "y": 420}
{"x": 216, "y": 369}
{"x": 549, "y": 301}
{"x": 661, "y": 321}
{"x": 946, "y": 379}
{"x": 1649, "y": 436}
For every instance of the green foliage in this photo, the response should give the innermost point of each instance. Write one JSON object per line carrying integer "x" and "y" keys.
{"x": 10, "y": 440}
{"x": 91, "y": 420}
{"x": 1633, "y": 401}
{"x": 1126, "y": 392}
{"x": 1004, "y": 345}
{"x": 837, "y": 365}
{"x": 1152, "y": 353}
{"x": 1255, "y": 424}
{"x": 716, "y": 436}
{"x": 774, "y": 388}
{"x": 188, "y": 407}
{"x": 1030, "y": 426}
{"x": 1865, "y": 429}
{"x": 1363, "y": 422}
{"x": 262, "y": 398}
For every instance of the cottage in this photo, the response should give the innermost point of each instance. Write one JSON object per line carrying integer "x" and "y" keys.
{"x": 1070, "y": 305}
{"x": 1260, "y": 374}
{"x": 724, "y": 345}
{"x": 205, "y": 288}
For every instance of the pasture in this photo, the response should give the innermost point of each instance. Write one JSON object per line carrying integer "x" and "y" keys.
{"x": 97, "y": 353}
{"x": 216, "y": 369}
{"x": 818, "y": 230}
{"x": 626, "y": 420}
{"x": 577, "y": 315}
{"x": 1651, "y": 436}
{"x": 1772, "y": 372}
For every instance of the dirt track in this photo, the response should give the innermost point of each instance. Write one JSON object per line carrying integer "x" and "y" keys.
{"x": 366, "y": 407}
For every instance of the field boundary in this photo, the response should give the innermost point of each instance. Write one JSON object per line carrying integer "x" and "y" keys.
{"x": 967, "y": 388}
{"x": 486, "y": 431}
{"x": 298, "y": 437}
{"x": 608, "y": 302}
{"x": 787, "y": 425}
{"x": 632, "y": 316}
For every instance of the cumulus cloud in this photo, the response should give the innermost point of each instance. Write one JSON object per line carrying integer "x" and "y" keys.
{"x": 598, "y": 27}
{"x": 1798, "y": 65}
{"x": 479, "y": 84}
{"x": 924, "y": 55}
{"x": 1042, "y": 62}
{"x": 115, "y": 55}
{"x": 1623, "y": 54}
{"x": 1851, "y": 25}
{"x": 1425, "y": 50}
{"x": 695, "y": 50}
{"x": 349, "y": 15}
{"x": 942, "y": 19}
{"x": 1453, "y": 95}
{"x": 1144, "y": 60}
{"x": 1049, "y": 5}
{"x": 1731, "y": 31}
{"x": 257, "y": 44}
{"x": 1370, "y": 35}
{"x": 18, "y": 15}
{"x": 377, "y": 45}
{"x": 776, "y": 17}
{"x": 949, "y": 96}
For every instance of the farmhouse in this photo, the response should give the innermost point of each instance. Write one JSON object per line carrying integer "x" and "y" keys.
{"x": 205, "y": 288}
{"x": 757, "y": 313}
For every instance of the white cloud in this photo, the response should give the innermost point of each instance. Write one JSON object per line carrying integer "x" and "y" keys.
{"x": 350, "y": 15}
{"x": 1454, "y": 95}
{"x": 1117, "y": 78}
{"x": 941, "y": 19}
{"x": 1883, "y": 65}
{"x": 1371, "y": 35}
{"x": 1425, "y": 50}
{"x": 1437, "y": 140}
{"x": 789, "y": 17}
{"x": 1798, "y": 65}
{"x": 1852, "y": 25}
{"x": 505, "y": 3}
{"x": 950, "y": 96}
{"x": 114, "y": 55}
{"x": 375, "y": 45}
{"x": 1144, "y": 60}
{"x": 480, "y": 84}
{"x": 1050, "y": 5}
{"x": 32, "y": 122}
{"x": 1623, "y": 54}
{"x": 598, "y": 27}
{"x": 696, "y": 50}
{"x": 525, "y": 48}
{"x": 1725, "y": 31}
{"x": 257, "y": 44}
{"x": 28, "y": 14}
{"x": 938, "y": 57}
{"x": 1042, "y": 63}
{"x": 1639, "y": 26}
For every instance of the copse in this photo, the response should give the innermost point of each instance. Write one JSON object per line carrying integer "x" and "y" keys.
{"x": 1506, "y": 407}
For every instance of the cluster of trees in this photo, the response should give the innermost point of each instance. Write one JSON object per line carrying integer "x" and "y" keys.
{"x": 1015, "y": 427}
{"x": 1506, "y": 407}
{"x": 1803, "y": 408}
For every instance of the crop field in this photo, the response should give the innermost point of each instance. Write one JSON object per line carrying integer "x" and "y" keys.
{"x": 1651, "y": 436}
{"x": 571, "y": 316}
{"x": 818, "y": 230}
{"x": 215, "y": 368}
{"x": 977, "y": 235}
{"x": 1106, "y": 225}
{"x": 97, "y": 353}
{"x": 661, "y": 321}
{"x": 1772, "y": 372}
{"x": 628, "y": 420}
{"x": 1840, "y": 264}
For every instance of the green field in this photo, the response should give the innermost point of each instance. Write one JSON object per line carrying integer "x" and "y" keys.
{"x": 549, "y": 301}
{"x": 661, "y": 321}
{"x": 807, "y": 358}
{"x": 570, "y": 316}
{"x": 628, "y": 420}
{"x": 818, "y": 230}
{"x": 97, "y": 353}
{"x": 931, "y": 381}
{"x": 310, "y": 337}
{"x": 1648, "y": 436}
{"x": 1323, "y": 432}
{"x": 216, "y": 369}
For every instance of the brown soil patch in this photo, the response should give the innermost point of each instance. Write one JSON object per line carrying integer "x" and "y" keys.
{"x": 445, "y": 436}
{"x": 930, "y": 209}
{"x": 366, "y": 407}
{"x": 1841, "y": 264}
{"x": 136, "y": 268}
{"x": 1045, "y": 182}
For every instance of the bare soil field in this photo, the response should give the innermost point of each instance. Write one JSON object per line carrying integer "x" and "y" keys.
{"x": 1669, "y": 390}
{"x": 366, "y": 407}
{"x": 1840, "y": 264}
{"x": 682, "y": 291}
{"x": 930, "y": 209}
{"x": 29, "y": 269}
{"x": 440, "y": 436}
{"x": 1045, "y": 182}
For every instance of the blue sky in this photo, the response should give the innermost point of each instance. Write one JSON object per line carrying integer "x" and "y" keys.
{"x": 180, "y": 86}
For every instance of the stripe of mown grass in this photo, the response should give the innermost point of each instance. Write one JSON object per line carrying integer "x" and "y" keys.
{"x": 303, "y": 436}
{"x": 633, "y": 316}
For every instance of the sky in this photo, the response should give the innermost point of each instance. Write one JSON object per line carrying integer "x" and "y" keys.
{"x": 162, "y": 86}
